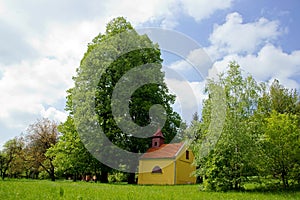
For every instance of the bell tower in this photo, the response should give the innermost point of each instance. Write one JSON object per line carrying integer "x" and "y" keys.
{"x": 158, "y": 139}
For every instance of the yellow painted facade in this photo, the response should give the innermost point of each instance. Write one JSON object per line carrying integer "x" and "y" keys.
{"x": 147, "y": 177}
{"x": 185, "y": 169}
{"x": 176, "y": 170}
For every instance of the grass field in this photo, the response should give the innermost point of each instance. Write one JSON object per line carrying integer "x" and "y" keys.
{"x": 34, "y": 189}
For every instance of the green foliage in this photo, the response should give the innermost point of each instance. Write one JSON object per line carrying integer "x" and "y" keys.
{"x": 43, "y": 175}
{"x": 10, "y": 158}
{"x": 227, "y": 165}
{"x": 41, "y": 136}
{"x": 284, "y": 100}
{"x": 276, "y": 120}
{"x": 282, "y": 145}
{"x": 104, "y": 56}
{"x": 109, "y": 57}
{"x": 117, "y": 177}
{"x": 71, "y": 157}
{"x": 260, "y": 136}
{"x": 143, "y": 98}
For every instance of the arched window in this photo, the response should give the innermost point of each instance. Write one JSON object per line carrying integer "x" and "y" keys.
{"x": 157, "y": 170}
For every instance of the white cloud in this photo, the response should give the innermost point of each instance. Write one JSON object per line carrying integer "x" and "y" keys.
{"x": 202, "y": 9}
{"x": 189, "y": 96}
{"x": 195, "y": 66}
{"x": 186, "y": 79}
{"x": 139, "y": 11}
{"x": 234, "y": 36}
{"x": 30, "y": 86}
{"x": 268, "y": 64}
{"x": 66, "y": 42}
{"x": 168, "y": 11}
{"x": 250, "y": 45}
{"x": 59, "y": 33}
{"x": 54, "y": 114}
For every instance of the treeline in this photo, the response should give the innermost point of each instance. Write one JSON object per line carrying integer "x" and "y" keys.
{"x": 248, "y": 132}
{"x": 26, "y": 155}
{"x": 51, "y": 151}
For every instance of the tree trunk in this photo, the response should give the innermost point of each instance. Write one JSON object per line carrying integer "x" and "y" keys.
{"x": 284, "y": 180}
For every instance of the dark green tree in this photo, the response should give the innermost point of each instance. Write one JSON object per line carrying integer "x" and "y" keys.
{"x": 196, "y": 117}
{"x": 111, "y": 57}
{"x": 9, "y": 155}
{"x": 71, "y": 158}
{"x": 277, "y": 114}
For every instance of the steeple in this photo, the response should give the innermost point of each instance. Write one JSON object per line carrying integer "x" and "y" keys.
{"x": 157, "y": 139}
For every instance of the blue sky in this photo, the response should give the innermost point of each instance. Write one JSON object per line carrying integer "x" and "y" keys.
{"x": 42, "y": 43}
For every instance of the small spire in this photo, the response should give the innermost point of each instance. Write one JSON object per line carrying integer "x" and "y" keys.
{"x": 158, "y": 138}
{"x": 158, "y": 133}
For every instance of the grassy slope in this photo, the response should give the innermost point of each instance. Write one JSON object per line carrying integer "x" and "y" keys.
{"x": 22, "y": 189}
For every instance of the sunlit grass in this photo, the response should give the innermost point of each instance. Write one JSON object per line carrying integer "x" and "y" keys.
{"x": 31, "y": 189}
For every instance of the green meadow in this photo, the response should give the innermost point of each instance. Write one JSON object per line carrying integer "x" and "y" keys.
{"x": 43, "y": 189}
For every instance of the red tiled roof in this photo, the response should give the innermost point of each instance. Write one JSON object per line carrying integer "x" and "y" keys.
{"x": 164, "y": 151}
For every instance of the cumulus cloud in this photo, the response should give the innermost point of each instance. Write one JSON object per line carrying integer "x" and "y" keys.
{"x": 194, "y": 67}
{"x": 66, "y": 42}
{"x": 43, "y": 43}
{"x": 140, "y": 11}
{"x": 186, "y": 78}
{"x": 200, "y": 10}
{"x": 251, "y": 46}
{"x": 54, "y": 114}
{"x": 30, "y": 86}
{"x": 23, "y": 21}
{"x": 189, "y": 96}
{"x": 167, "y": 11}
{"x": 269, "y": 63}
{"x": 234, "y": 36}
{"x": 35, "y": 87}
{"x": 13, "y": 47}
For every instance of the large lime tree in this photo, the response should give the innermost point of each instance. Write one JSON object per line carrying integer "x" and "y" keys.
{"x": 118, "y": 83}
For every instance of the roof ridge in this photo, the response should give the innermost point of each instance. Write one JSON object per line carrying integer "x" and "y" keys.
{"x": 165, "y": 151}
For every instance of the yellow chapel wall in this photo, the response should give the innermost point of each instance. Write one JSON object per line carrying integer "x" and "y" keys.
{"x": 146, "y": 176}
{"x": 185, "y": 169}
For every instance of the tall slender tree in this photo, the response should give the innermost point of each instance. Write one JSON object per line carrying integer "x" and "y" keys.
{"x": 228, "y": 163}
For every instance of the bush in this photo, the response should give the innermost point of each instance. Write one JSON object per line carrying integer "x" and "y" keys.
{"x": 117, "y": 177}
{"x": 43, "y": 175}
